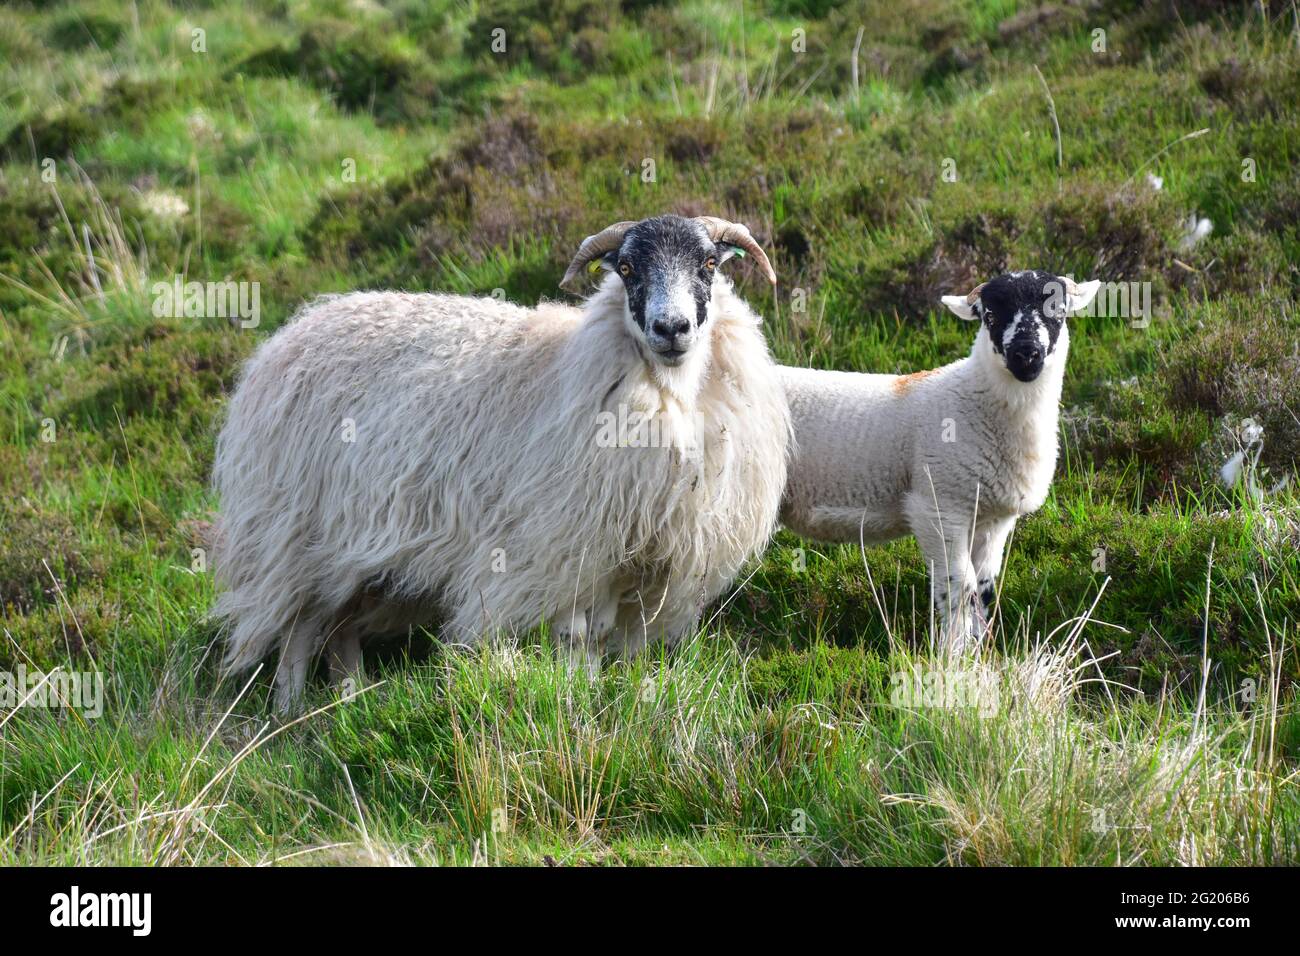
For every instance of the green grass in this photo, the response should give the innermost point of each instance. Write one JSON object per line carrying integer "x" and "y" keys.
{"x": 709, "y": 756}
{"x": 324, "y": 146}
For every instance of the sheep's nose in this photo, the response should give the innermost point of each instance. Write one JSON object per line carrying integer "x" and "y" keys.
{"x": 670, "y": 328}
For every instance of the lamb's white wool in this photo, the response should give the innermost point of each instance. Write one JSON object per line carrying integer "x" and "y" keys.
{"x": 390, "y": 458}
{"x": 953, "y": 456}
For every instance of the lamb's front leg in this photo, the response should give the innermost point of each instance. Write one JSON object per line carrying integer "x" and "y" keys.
{"x": 945, "y": 540}
{"x": 986, "y": 554}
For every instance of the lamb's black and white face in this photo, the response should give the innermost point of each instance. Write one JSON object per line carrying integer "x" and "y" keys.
{"x": 1024, "y": 313}
{"x": 668, "y": 265}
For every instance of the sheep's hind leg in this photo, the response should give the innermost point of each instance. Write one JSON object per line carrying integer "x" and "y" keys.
{"x": 299, "y": 648}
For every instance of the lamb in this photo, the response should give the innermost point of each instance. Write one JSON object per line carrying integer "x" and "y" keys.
{"x": 952, "y": 456}
{"x": 393, "y": 459}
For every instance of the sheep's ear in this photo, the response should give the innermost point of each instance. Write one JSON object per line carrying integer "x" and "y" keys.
{"x": 963, "y": 306}
{"x": 1079, "y": 295}
{"x": 608, "y": 262}
{"x": 727, "y": 251}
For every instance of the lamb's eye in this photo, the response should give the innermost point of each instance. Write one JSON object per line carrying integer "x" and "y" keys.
{"x": 624, "y": 269}
{"x": 710, "y": 263}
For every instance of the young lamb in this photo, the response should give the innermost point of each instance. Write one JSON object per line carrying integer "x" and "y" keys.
{"x": 953, "y": 455}
{"x": 390, "y": 459}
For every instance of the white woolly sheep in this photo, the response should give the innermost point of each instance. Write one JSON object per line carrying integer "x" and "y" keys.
{"x": 390, "y": 459}
{"x": 953, "y": 455}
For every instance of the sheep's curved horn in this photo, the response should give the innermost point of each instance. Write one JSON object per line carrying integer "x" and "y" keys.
{"x": 720, "y": 230}
{"x": 974, "y": 295}
{"x": 593, "y": 247}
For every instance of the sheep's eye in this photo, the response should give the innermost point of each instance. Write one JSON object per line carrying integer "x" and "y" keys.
{"x": 710, "y": 263}
{"x": 624, "y": 269}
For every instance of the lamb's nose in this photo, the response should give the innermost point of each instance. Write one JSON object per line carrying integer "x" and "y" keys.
{"x": 670, "y": 328}
{"x": 1027, "y": 353}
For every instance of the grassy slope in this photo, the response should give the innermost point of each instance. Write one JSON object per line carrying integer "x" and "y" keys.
{"x": 777, "y": 737}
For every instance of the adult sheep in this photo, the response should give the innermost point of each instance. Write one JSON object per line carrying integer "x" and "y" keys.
{"x": 393, "y": 458}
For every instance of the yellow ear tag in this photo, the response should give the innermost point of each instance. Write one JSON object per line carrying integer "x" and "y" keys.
{"x": 741, "y": 253}
{"x": 593, "y": 265}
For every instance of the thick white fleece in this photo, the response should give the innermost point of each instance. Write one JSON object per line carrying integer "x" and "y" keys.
{"x": 479, "y": 484}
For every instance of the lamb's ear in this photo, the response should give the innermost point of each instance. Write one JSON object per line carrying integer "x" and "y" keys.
{"x": 1079, "y": 295}
{"x": 963, "y": 306}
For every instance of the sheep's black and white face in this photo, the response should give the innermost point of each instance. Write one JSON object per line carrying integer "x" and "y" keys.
{"x": 1024, "y": 313}
{"x": 668, "y": 265}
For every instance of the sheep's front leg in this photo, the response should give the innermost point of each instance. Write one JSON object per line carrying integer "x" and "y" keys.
{"x": 666, "y": 629}
{"x": 343, "y": 652}
{"x": 604, "y": 614}
{"x": 945, "y": 541}
{"x": 986, "y": 554}
{"x": 586, "y": 630}
{"x": 571, "y": 640}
